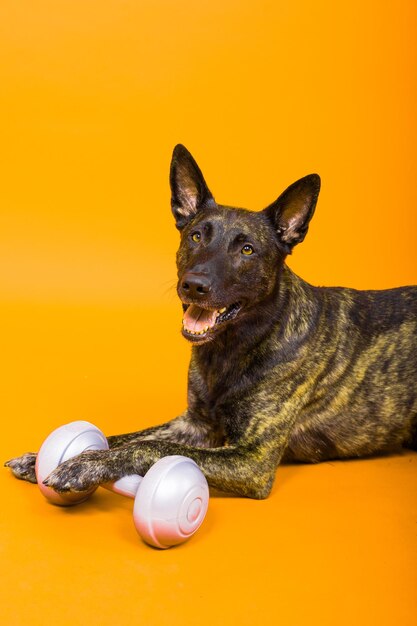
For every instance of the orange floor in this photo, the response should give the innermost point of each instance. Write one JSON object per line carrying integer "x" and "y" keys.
{"x": 334, "y": 544}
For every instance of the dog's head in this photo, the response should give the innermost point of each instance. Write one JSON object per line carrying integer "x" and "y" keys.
{"x": 229, "y": 259}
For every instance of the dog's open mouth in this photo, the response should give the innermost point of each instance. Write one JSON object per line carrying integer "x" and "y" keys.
{"x": 198, "y": 322}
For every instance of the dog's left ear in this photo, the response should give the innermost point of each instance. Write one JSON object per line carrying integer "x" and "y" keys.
{"x": 189, "y": 192}
{"x": 293, "y": 210}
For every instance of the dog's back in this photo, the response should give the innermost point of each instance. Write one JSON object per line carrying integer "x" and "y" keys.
{"x": 362, "y": 356}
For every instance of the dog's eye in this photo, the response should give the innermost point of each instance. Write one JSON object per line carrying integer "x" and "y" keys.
{"x": 247, "y": 250}
{"x": 196, "y": 236}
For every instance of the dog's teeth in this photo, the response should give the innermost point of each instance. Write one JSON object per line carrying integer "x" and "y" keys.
{"x": 222, "y": 310}
{"x": 195, "y": 332}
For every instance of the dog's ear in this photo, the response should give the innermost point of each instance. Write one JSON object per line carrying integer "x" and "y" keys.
{"x": 189, "y": 192}
{"x": 293, "y": 210}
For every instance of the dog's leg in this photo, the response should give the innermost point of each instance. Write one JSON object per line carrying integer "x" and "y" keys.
{"x": 181, "y": 430}
{"x": 246, "y": 468}
{"x": 235, "y": 469}
{"x": 23, "y": 467}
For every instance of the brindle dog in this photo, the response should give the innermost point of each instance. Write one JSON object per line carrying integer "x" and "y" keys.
{"x": 280, "y": 370}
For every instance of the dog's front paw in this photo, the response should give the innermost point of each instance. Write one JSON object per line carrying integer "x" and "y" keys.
{"x": 81, "y": 473}
{"x": 23, "y": 467}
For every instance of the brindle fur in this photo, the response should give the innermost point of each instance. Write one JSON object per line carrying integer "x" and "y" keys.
{"x": 302, "y": 373}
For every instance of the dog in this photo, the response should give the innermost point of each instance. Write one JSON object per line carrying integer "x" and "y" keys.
{"x": 280, "y": 370}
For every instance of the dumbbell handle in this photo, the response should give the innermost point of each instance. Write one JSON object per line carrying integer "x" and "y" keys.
{"x": 126, "y": 486}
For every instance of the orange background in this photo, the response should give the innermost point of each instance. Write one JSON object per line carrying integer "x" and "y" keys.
{"x": 94, "y": 95}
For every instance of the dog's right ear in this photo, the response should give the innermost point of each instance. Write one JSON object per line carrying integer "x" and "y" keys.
{"x": 189, "y": 192}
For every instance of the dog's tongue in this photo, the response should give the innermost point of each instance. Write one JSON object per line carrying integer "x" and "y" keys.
{"x": 197, "y": 319}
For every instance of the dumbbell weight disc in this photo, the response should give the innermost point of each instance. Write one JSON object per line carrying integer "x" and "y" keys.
{"x": 62, "y": 444}
{"x": 171, "y": 502}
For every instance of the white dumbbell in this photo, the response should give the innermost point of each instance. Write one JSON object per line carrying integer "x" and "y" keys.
{"x": 170, "y": 500}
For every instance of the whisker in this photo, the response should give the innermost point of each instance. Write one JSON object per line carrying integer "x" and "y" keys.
{"x": 171, "y": 290}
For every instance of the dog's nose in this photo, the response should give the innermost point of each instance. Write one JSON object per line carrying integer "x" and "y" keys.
{"x": 195, "y": 285}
